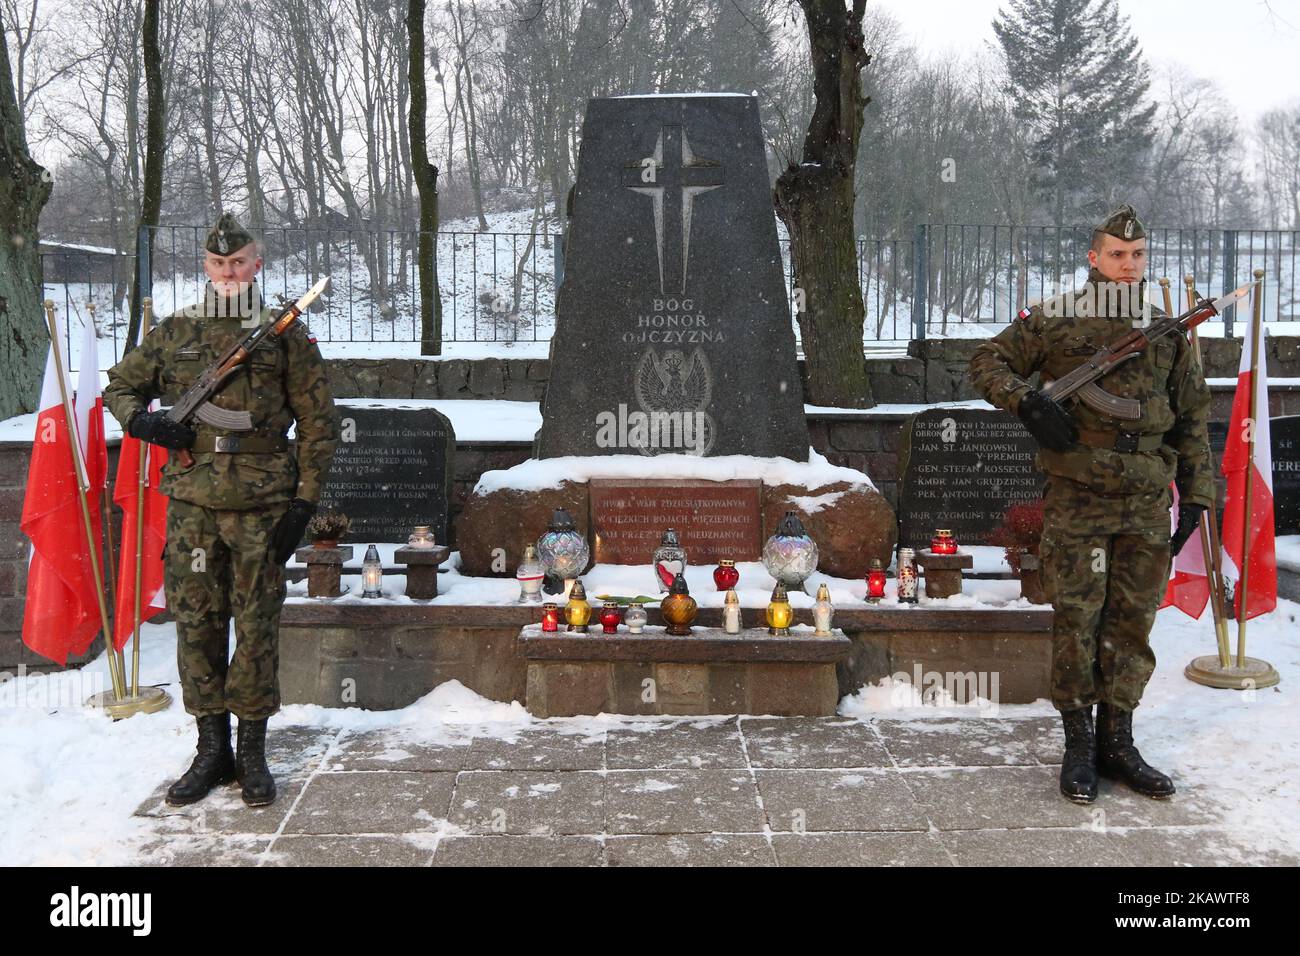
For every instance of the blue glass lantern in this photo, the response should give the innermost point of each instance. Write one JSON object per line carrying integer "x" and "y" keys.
{"x": 563, "y": 551}
{"x": 790, "y": 555}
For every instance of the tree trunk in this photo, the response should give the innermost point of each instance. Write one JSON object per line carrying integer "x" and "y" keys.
{"x": 155, "y": 138}
{"x": 426, "y": 184}
{"x": 815, "y": 201}
{"x": 24, "y": 188}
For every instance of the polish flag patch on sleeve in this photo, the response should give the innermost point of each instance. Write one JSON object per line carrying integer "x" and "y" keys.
{"x": 1024, "y": 313}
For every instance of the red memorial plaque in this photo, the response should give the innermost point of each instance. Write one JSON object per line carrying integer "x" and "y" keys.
{"x": 714, "y": 519}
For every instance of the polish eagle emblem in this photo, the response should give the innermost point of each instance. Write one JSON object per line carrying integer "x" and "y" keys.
{"x": 677, "y": 384}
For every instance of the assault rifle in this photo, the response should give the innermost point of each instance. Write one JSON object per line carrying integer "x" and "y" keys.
{"x": 1082, "y": 380}
{"x": 195, "y": 404}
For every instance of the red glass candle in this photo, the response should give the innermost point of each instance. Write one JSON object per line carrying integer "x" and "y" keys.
{"x": 611, "y": 615}
{"x": 943, "y": 543}
{"x": 550, "y": 617}
{"x": 875, "y": 582}
{"x": 725, "y": 575}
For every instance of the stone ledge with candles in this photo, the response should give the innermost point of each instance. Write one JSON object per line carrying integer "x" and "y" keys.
{"x": 395, "y": 647}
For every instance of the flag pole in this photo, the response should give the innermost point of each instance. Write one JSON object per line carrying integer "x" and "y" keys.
{"x": 110, "y": 570}
{"x": 79, "y": 469}
{"x": 1243, "y": 585}
{"x": 142, "y": 479}
{"x": 1209, "y": 529}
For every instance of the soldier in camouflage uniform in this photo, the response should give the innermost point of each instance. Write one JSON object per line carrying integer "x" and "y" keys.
{"x": 1106, "y": 544}
{"x": 236, "y": 515}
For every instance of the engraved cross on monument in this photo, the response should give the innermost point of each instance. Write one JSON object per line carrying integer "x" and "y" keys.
{"x": 672, "y": 177}
{"x": 673, "y": 332}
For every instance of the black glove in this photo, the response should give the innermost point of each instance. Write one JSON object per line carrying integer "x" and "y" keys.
{"x": 289, "y": 529}
{"x": 1047, "y": 421}
{"x": 1189, "y": 517}
{"x": 157, "y": 429}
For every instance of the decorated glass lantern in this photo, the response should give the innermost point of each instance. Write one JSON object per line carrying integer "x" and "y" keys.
{"x": 875, "y": 581}
{"x": 943, "y": 543}
{"x": 725, "y": 575}
{"x": 779, "y": 613}
{"x": 421, "y": 537}
{"x": 731, "y": 614}
{"x": 822, "y": 612}
{"x": 610, "y": 617}
{"x": 577, "y": 612}
{"x": 679, "y": 608}
{"x": 669, "y": 560}
{"x": 529, "y": 575}
{"x": 790, "y": 555}
{"x": 372, "y": 574}
{"x": 635, "y": 618}
{"x": 563, "y": 551}
{"x": 550, "y": 617}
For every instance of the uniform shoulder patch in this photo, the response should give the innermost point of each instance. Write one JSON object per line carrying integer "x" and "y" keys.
{"x": 1024, "y": 313}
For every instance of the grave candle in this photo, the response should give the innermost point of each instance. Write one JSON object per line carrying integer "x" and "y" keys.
{"x": 725, "y": 575}
{"x": 943, "y": 543}
{"x": 875, "y": 582}
{"x": 731, "y": 614}
{"x": 577, "y": 612}
{"x": 610, "y": 617}
{"x": 372, "y": 574}
{"x": 779, "y": 612}
{"x": 822, "y": 612}
{"x": 550, "y": 617}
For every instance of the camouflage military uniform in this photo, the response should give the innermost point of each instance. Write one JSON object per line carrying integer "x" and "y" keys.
{"x": 224, "y": 507}
{"x": 1105, "y": 547}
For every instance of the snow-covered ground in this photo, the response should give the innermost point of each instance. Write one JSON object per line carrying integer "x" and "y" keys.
{"x": 70, "y": 778}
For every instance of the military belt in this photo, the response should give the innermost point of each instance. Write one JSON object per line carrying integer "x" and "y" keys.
{"x": 240, "y": 444}
{"x": 1126, "y": 442}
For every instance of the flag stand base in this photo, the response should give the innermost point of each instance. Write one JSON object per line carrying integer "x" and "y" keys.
{"x": 1209, "y": 671}
{"x": 150, "y": 701}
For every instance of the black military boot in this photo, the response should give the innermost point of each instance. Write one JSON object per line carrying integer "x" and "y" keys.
{"x": 250, "y": 764}
{"x": 1079, "y": 764}
{"x": 1118, "y": 759}
{"x": 213, "y": 763}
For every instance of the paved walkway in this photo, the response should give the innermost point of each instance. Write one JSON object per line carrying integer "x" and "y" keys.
{"x": 748, "y": 791}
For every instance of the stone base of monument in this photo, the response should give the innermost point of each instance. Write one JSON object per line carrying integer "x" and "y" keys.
{"x": 709, "y": 672}
{"x": 943, "y": 572}
{"x": 383, "y": 655}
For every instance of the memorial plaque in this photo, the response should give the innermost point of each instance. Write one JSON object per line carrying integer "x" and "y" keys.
{"x": 962, "y": 468}
{"x": 714, "y": 519}
{"x": 394, "y": 473}
{"x": 1285, "y": 432}
{"x": 1286, "y": 473}
{"x": 673, "y": 331}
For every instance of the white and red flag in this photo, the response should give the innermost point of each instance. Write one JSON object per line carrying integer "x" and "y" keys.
{"x": 1248, "y": 526}
{"x": 1189, "y": 582}
{"x": 125, "y": 493}
{"x": 61, "y": 615}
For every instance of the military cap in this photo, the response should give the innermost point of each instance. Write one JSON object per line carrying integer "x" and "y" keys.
{"x": 1124, "y": 224}
{"x": 227, "y": 236}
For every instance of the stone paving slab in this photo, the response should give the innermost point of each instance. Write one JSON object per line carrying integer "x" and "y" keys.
{"x": 537, "y": 750}
{"x": 959, "y": 742}
{"x": 860, "y": 849}
{"x": 397, "y": 750}
{"x": 688, "y": 745}
{"x": 995, "y": 798}
{"x": 811, "y": 742}
{"x": 690, "y": 849}
{"x": 529, "y": 802}
{"x": 372, "y": 802}
{"x": 518, "y": 851}
{"x": 213, "y": 849}
{"x": 681, "y": 801}
{"x": 810, "y": 800}
{"x": 314, "y": 850}
{"x": 1199, "y": 846}
{"x": 1059, "y": 846}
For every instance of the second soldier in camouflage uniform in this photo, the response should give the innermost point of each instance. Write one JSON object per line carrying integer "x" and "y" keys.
{"x": 1106, "y": 542}
{"x": 236, "y": 514}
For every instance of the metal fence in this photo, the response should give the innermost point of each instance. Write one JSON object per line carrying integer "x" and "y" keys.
{"x": 945, "y": 280}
